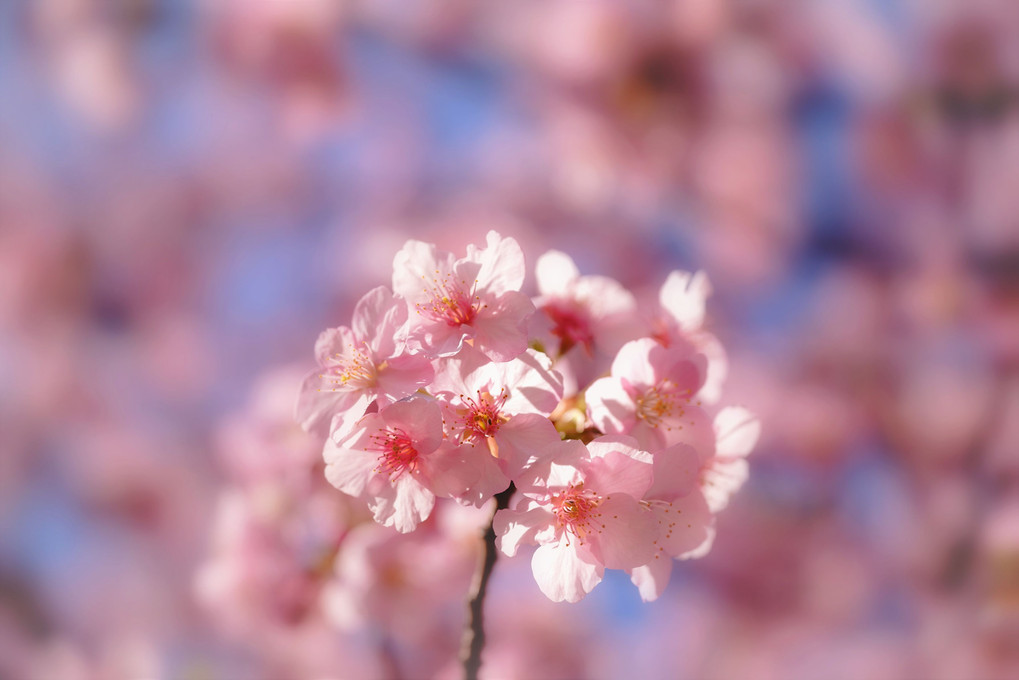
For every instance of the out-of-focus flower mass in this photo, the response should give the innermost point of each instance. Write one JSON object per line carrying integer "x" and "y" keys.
{"x": 290, "y": 290}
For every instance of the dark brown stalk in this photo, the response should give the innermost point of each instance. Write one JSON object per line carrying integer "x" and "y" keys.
{"x": 473, "y": 641}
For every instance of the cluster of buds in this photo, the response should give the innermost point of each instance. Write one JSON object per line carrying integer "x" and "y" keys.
{"x": 600, "y": 412}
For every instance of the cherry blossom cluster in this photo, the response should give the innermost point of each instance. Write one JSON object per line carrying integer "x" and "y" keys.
{"x": 600, "y": 411}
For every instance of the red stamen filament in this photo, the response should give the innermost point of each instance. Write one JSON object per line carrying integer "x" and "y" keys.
{"x": 576, "y": 512}
{"x": 396, "y": 453}
{"x": 481, "y": 417}
{"x": 451, "y": 301}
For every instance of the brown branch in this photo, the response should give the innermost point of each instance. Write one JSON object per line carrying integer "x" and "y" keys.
{"x": 473, "y": 641}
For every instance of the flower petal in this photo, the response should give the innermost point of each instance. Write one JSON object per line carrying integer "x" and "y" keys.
{"x": 610, "y": 406}
{"x": 502, "y": 264}
{"x": 514, "y": 527}
{"x": 534, "y": 386}
{"x": 317, "y": 402}
{"x": 685, "y": 524}
{"x": 676, "y": 472}
{"x": 378, "y": 316}
{"x": 414, "y": 268}
{"x": 684, "y": 296}
{"x": 402, "y": 376}
{"x": 693, "y": 428}
{"x": 717, "y": 369}
{"x": 333, "y": 343}
{"x": 653, "y": 577}
{"x": 500, "y": 328}
{"x": 617, "y": 466}
{"x": 737, "y": 431}
{"x": 555, "y": 272}
{"x": 562, "y": 573}
{"x": 419, "y": 418}
{"x": 348, "y": 467}
{"x": 627, "y": 534}
{"x": 633, "y": 363}
{"x": 721, "y": 479}
{"x": 525, "y": 439}
{"x": 402, "y": 505}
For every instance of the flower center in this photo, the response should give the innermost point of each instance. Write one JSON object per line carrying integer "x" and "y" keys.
{"x": 661, "y": 402}
{"x": 355, "y": 371}
{"x": 571, "y": 326}
{"x": 481, "y": 417}
{"x": 396, "y": 452}
{"x": 576, "y": 511}
{"x": 451, "y": 301}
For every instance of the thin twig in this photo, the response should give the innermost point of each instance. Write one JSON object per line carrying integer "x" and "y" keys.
{"x": 473, "y": 641}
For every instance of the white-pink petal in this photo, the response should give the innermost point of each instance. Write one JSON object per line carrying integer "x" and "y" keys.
{"x": 555, "y": 272}
{"x": 333, "y": 343}
{"x": 737, "y": 431}
{"x": 377, "y": 317}
{"x": 565, "y": 572}
{"x": 652, "y": 578}
{"x": 523, "y": 440}
{"x": 616, "y": 465}
{"x": 317, "y": 402}
{"x": 627, "y": 533}
{"x": 502, "y": 264}
{"x": 515, "y": 527}
{"x": 676, "y": 472}
{"x": 402, "y": 376}
{"x": 722, "y": 478}
{"x": 413, "y": 265}
{"x": 500, "y": 329}
{"x": 403, "y": 505}
{"x": 610, "y": 406}
{"x": 633, "y": 363}
{"x": 534, "y": 386}
{"x": 685, "y": 524}
{"x": 348, "y": 470}
{"x": 684, "y": 297}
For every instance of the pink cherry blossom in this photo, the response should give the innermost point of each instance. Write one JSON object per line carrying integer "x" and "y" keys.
{"x": 263, "y": 573}
{"x": 585, "y": 516}
{"x": 652, "y": 395}
{"x": 474, "y": 300}
{"x": 396, "y": 460}
{"x": 362, "y": 363}
{"x": 587, "y": 311}
{"x": 498, "y": 412}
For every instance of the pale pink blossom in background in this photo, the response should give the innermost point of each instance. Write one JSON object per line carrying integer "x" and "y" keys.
{"x": 409, "y": 586}
{"x": 263, "y": 443}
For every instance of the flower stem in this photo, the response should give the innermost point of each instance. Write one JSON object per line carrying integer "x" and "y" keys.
{"x": 473, "y": 641}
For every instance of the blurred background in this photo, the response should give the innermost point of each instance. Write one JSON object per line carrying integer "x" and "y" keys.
{"x": 191, "y": 191}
